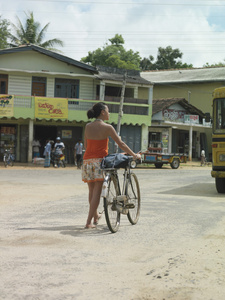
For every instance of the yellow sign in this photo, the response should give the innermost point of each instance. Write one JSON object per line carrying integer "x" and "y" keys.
{"x": 6, "y": 105}
{"x": 51, "y": 108}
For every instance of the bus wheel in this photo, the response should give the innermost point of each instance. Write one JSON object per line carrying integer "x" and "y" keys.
{"x": 220, "y": 185}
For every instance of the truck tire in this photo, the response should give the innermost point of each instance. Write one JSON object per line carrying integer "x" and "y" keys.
{"x": 133, "y": 164}
{"x": 220, "y": 185}
{"x": 158, "y": 165}
{"x": 175, "y": 163}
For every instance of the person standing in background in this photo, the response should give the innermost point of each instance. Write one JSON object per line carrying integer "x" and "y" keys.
{"x": 47, "y": 153}
{"x": 79, "y": 150}
{"x": 36, "y": 146}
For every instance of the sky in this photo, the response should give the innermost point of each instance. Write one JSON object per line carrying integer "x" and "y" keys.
{"x": 195, "y": 27}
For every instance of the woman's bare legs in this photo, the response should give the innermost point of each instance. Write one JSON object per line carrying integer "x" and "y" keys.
{"x": 95, "y": 189}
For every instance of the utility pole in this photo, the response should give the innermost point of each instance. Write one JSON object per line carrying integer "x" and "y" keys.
{"x": 121, "y": 109}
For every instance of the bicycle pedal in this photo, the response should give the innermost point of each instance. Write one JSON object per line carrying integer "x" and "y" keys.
{"x": 129, "y": 205}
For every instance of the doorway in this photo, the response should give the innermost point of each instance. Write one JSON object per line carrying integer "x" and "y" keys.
{"x": 44, "y": 133}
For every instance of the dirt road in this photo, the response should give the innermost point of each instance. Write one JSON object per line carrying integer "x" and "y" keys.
{"x": 176, "y": 251}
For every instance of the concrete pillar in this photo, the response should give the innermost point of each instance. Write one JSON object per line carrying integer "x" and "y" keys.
{"x": 150, "y": 95}
{"x": 190, "y": 143}
{"x": 102, "y": 91}
{"x": 170, "y": 141}
{"x": 18, "y": 143}
{"x": 144, "y": 137}
{"x": 30, "y": 140}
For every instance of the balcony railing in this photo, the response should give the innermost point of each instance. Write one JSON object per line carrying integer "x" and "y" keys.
{"x": 130, "y": 105}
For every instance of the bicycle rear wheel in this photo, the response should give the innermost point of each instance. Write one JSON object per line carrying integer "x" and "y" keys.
{"x": 112, "y": 216}
{"x": 134, "y": 197}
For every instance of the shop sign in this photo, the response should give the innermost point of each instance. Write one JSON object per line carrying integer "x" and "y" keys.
{"x": 193, "y": 119}
{"x": 51, "y": 108}
{"x": 6, "y": 105}
{"x": 173, "y": 115}
{"x": 67, "y": 134}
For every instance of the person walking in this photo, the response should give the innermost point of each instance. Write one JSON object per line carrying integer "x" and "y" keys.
{"x": 79, "y": 150}
{"x": 203, "y": 162}
{"x": 96, "y": 139}
{"x": 47, "y": 153}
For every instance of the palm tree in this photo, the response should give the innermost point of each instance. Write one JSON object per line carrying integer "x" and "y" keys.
{"x": 31, "y": 33}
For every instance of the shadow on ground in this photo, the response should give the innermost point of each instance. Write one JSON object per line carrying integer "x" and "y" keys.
{"x": 196, "y": 189}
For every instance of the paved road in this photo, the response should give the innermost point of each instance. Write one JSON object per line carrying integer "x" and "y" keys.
{"x": 176, "y": 251}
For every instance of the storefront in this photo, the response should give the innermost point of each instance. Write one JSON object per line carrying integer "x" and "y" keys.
{"x": 7, "y": 138}
{"x": 178, "y": 127}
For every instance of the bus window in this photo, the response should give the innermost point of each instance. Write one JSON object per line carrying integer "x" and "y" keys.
{"x": 220, "y": 114}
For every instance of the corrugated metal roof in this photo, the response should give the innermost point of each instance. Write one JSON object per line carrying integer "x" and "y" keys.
{"x": 52, "y": 54}
{"x": 185, "y": 75}
{"x": 161, "y": 104}
{"x": 115, "y": 74}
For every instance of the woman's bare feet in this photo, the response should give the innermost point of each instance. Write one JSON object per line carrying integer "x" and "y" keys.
{"x": 97, "y": 219}
{"x": 89, "y": 226}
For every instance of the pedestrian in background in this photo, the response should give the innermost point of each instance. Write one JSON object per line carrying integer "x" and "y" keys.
{"x": 47, "y": 153}
{"x": 79, "y": 150}
{"x": 203, "y": 157}
{"x": 36, "y": 146}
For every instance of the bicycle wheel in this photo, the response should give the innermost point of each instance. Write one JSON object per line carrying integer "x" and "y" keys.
{"x": 134, "y": 197}
{"x": 112, "y": 216}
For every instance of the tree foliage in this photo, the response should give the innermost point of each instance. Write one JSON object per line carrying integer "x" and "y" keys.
{"x": 219, "y": 64}
{"x": 32, "y": 33}
{"x": 167, "y": 58}
{"x": 114, "y": 55}
{"x": 4, "y": 33}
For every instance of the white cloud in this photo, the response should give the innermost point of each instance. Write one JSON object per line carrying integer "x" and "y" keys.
{"x": 196, "y": 30}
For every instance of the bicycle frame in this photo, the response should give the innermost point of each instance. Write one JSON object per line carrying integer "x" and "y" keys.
{"x": 122, "y": 197}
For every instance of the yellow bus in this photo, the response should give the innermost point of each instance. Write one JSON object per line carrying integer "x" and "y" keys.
{"x": 218, "y": 139}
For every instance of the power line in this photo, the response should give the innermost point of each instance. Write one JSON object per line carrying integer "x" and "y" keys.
{"x": 130, "y": 3}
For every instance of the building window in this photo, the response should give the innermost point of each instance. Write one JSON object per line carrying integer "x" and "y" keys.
{"x": 3, "y": 84}
{"x": 66, "y": 88}
{"x": 38, "y": 86}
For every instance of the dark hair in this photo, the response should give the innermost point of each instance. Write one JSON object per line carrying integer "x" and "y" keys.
{"x": 96, "y": 109}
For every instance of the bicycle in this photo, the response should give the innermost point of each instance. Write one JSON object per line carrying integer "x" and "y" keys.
{"x": 8, "y": 158}
{"x": 116, "y": 201}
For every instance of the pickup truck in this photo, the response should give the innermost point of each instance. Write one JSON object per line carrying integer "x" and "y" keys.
{"x": 159, "y": 159}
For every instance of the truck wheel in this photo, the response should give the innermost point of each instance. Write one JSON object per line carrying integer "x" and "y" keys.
{"x": 220, "y": 185}
{"x": 158, "y": 165}
{"x": 175, "y": 163}
{"x": 133, "y": 164}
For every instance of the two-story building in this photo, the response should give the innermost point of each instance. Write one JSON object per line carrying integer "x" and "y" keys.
{"x": 44, "y": 94}
{"x": 194, "y": 85}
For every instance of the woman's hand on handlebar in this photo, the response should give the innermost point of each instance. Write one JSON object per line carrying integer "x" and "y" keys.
{"x": 137, "y": 156}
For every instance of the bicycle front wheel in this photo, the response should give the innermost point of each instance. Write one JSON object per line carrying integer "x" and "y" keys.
{"x": 134, "y": 197}
{"x": 112, "y": 216}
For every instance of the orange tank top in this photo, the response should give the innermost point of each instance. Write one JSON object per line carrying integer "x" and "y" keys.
{"x": 96, "y": 148}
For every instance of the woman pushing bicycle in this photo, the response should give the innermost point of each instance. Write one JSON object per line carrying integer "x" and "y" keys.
{"x": 96, "y": 139}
